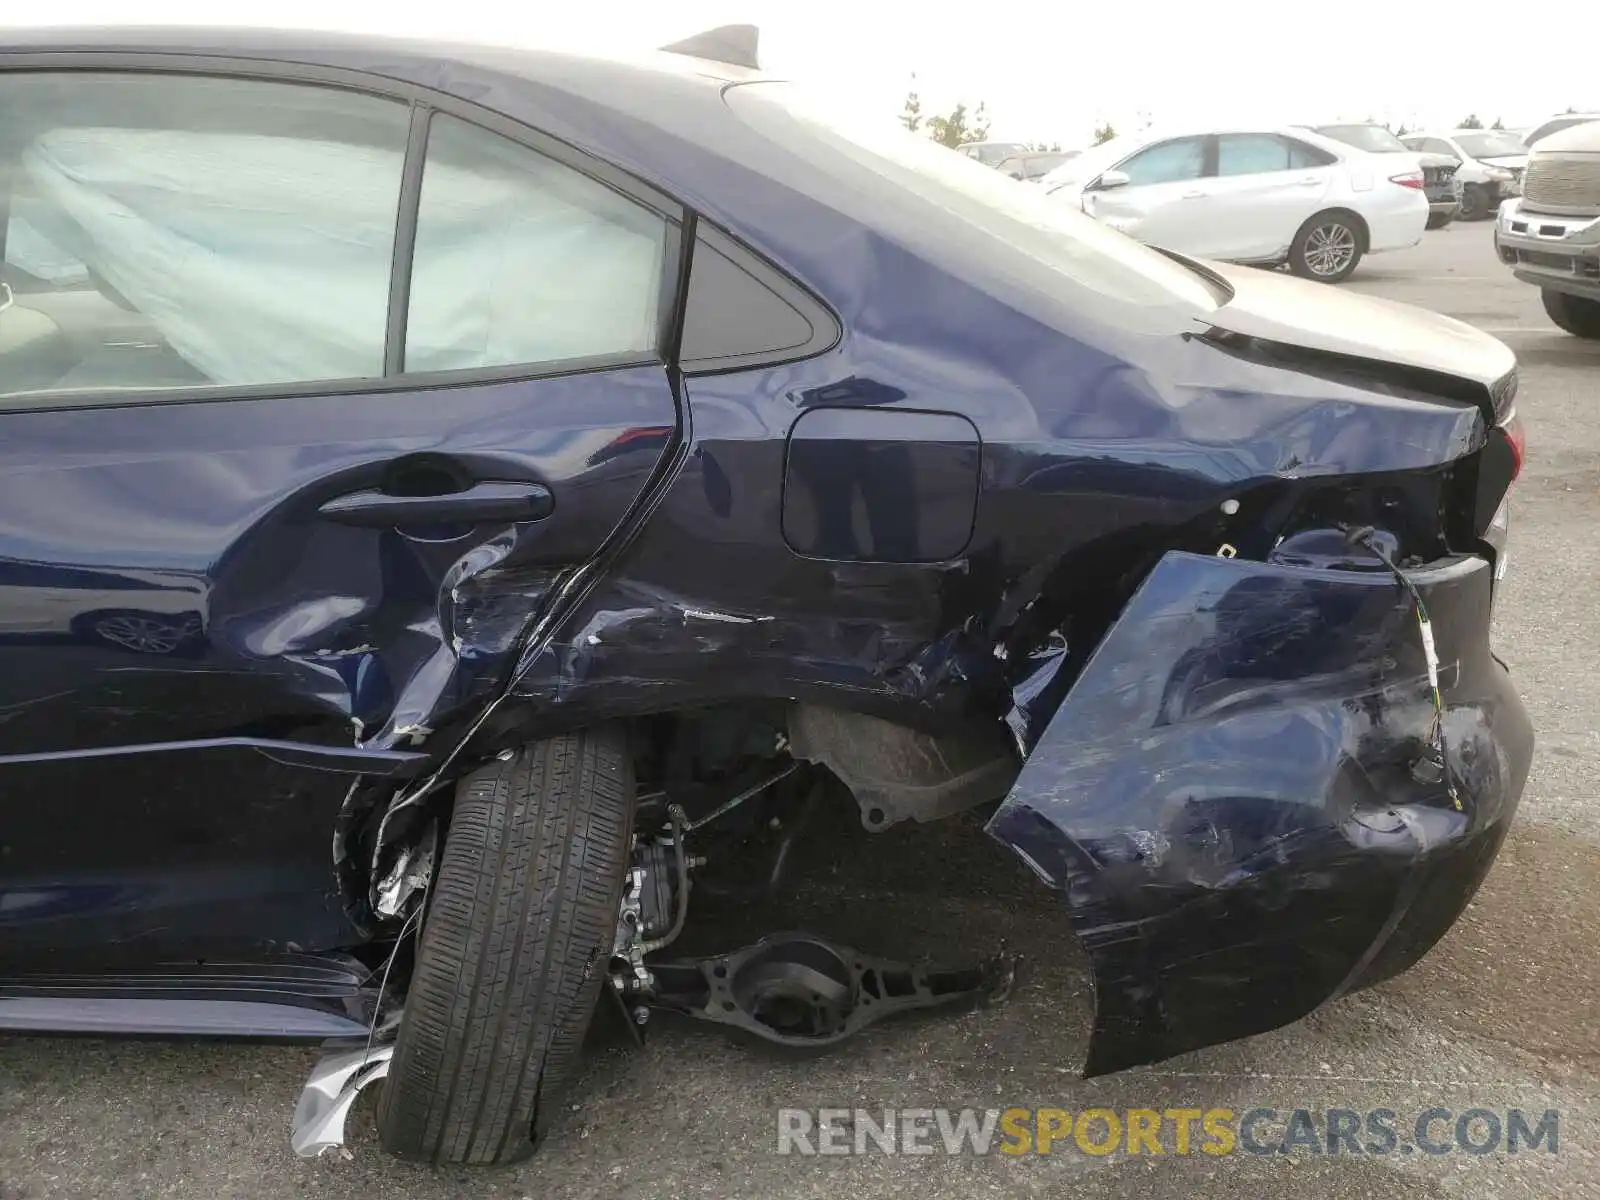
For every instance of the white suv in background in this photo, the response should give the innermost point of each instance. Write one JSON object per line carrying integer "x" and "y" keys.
{"x": 1550, "y": 236}
{"x": 1269, "y": 195}
{"x": 1492, "y": 162}
{"x": 1555, "y": 125}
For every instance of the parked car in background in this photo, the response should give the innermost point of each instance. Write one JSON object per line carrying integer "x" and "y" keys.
{"x": 1439, "y": 182}
{"x": 1556, "y": 124}
{"x": 992, "y": 154}
{"x": 1035, "y": 165}
{"x": 1492, "y": 161}
{"x": 1550, "y": 235}
{"x": 1266, "y": 196}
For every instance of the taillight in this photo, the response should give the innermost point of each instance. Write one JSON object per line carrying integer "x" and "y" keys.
{"x": 1518, "y": 439}
{"x": 1499, "y": 464}
{"x": 1411, "y": 179}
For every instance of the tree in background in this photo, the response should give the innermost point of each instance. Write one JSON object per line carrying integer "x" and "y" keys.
{"x": 948, "y": 129}
{"x": 911, "y": 114}
{"x": 1498, "y": 124}
{"x": 1042, "y": 148}
{"x": 1471, "y": 122}
{"x": 1104, "y": 133}
{"x": 957, "y": 126}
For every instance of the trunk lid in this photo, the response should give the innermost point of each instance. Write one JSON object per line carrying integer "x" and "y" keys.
{"x": 1313, "y": 316}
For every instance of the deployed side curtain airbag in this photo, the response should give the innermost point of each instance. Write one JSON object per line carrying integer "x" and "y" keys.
{"x": 264, "y": 259}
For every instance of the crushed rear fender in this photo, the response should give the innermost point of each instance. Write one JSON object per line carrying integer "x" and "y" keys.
{"x": 1226, "y": 803}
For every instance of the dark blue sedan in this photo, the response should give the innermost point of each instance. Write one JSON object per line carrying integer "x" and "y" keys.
{"x": 457, "y": 503}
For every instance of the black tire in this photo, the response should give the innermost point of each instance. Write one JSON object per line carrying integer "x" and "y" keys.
{"x": 1307, "y": 253}
{"x": 1440, "y": 220}
{"x": 1577, "y": 315}
{"x": 1474, "y": 202}
{"x": 513, "y": 951}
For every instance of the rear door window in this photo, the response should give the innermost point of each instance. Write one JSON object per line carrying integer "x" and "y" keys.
{"x": 1251, "y": 154}
{"x": 520, "y": 259}
{"x": 1262, "y": 153}
{"x": 172, "y": 231}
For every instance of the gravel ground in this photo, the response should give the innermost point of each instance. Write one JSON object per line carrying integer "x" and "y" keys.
{"x": 1504, "y": 1013}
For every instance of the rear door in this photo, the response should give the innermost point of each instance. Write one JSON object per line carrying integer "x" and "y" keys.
{"x": 1158, "y": 203}
{"x": 308, "y": 398}
{"x": 1265, "y": 187}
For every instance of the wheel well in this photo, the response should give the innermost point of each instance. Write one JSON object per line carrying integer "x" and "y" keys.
{"x": 1357, "y": 223}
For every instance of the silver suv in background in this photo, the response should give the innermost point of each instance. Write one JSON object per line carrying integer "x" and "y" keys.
{"x": 992, "y": 154}
{"x": 1035, "y": 165}
{"x": 1550, "y": 235}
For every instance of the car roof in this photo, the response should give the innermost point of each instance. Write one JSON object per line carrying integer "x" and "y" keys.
{"x": 561, "y": 92}
{"x": 1167, "y": 132}
{"x": 322, "y": 47}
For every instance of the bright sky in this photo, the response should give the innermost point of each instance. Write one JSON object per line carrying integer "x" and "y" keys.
{"x": 1045, "y": 72}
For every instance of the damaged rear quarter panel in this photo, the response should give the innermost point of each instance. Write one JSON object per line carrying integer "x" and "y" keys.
{"x": 1224, "y": 799}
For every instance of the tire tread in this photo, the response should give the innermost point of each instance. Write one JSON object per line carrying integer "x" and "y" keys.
{"x": 497, "y": 1007}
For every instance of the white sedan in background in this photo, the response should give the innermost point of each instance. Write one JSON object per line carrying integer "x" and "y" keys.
{"x": 1265, "y": 196}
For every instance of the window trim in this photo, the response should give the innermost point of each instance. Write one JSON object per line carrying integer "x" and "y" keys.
{"x": 423, "y": 103}
{"x": 403, "y": 251}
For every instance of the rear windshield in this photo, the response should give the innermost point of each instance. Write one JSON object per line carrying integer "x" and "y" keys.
{"x": 1373, "y": 138}
{"x": 964, "y": 216}
{"x": 1037, "y": 166}
{"x": 1490, "y": 144}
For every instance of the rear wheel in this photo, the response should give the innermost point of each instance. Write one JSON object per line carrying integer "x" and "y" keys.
{"x": 1440, "y": 220}
{"x": 1577, "y": 315}
{"x": 1327, "y": 247}
{"x": 513, "y": 951}
{"x": 1474, "y": 202}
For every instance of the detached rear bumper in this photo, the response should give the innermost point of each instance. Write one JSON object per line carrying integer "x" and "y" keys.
{"x": 1226, "y": 803}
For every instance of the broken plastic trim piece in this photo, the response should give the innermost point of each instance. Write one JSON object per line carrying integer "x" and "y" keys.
{"x": 330, "y": 1093}
{"x": 409, "y": 876}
